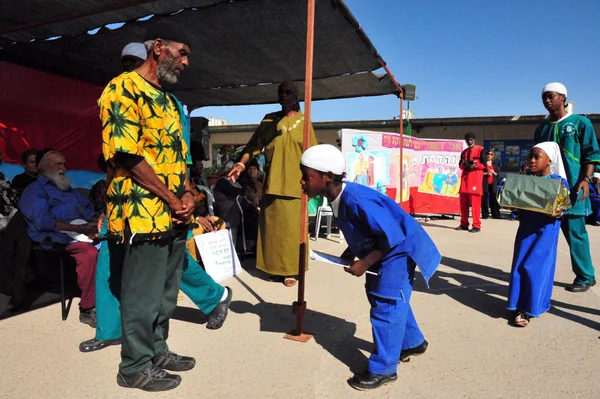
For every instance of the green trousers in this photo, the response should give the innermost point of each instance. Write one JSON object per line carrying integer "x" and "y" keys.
{"x": 149, "y": 286}
{"x": 573, "y": 227}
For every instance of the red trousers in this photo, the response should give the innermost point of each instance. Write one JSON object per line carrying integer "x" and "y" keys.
{"x": 85, "y": 256}
{"x": 474, "y": 201}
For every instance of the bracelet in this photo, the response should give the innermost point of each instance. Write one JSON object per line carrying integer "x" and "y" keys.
{"x": 588, "y": 179}
{"x": 242, "y": 165}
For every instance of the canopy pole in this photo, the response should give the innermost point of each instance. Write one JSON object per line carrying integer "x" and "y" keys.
{"x": 401, "y": 96}
{"x": 299, "y": 307}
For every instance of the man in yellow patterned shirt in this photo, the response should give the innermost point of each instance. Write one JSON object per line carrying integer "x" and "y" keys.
{"x": 149, "y": 206}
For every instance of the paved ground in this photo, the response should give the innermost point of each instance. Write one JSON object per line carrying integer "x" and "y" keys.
{"x": 473, "y": 352}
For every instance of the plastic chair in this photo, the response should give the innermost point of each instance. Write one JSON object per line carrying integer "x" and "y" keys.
{"x": 239, "y": 205}
{"x": 58, "y": 253}
{"x": 325, "y": 210}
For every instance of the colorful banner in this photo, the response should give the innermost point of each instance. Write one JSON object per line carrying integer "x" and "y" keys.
{"x": 430, "y": 174}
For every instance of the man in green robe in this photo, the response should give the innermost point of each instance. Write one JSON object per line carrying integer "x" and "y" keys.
{"x": 579, "y": 148}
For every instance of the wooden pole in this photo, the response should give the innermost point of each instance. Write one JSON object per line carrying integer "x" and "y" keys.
{"x": 401, "y": 96}
{"x": 299, "y": 307}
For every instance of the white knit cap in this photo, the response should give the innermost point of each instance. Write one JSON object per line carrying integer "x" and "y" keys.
{"x": 553, "y": 151}
{"x": 596, "y": 175}
{"x": 135, "y": 49}
{"x": 555, "y": 87}
{"x": 324, "y": 158}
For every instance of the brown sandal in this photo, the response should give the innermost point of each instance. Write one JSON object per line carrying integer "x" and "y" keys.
{"x": 522, "y": 320}
{"x": 290, "y": 281}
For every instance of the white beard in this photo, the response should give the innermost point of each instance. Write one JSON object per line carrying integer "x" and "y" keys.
{"x": 62, "y": 182}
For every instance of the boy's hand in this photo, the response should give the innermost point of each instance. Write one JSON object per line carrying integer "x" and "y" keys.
{"x": 357, "y": 268}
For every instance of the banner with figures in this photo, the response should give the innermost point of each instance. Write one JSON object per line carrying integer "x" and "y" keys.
{"x": 430, "y": 174}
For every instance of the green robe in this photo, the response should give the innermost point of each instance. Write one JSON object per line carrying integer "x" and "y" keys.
{"x": 278, "y": 240}
{"x": 576, "y": 138}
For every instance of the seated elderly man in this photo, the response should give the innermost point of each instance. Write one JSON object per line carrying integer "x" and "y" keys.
{"x": 49, "y": 205}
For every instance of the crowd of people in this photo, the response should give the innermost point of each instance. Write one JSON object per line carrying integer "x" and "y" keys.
{"x": 132, "y": 239}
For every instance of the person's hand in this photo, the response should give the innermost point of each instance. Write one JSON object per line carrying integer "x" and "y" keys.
{"x": 99, "y": 221}
{"x": 558, "y": 214}
{"x": 585, "y": 186}
{"x": 91, "y": 230}
{"x": 206, "y": 223}
{"x": 358, "y": 268}
{"x": 187, "y": 208}
{"x": 235, "y": 172}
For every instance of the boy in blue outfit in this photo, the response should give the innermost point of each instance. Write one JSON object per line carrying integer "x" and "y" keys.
{"x": 387, "y": 241}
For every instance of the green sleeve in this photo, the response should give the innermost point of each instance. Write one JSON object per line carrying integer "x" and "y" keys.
{"x": 590, "y": 153}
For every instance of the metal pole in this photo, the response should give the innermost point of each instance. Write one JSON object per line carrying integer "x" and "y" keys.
{"x": 299, "y": 307}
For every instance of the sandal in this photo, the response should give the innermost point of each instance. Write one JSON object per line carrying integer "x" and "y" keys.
{"x": 217, "y": 317}
{"x": 94, "y": 344}
{"x": 290, "y": 281}
{"x": 522, "y": 320}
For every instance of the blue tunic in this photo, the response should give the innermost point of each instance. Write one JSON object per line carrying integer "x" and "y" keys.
{"x": 369, "y": 221}
{"x": 534, "y": 262}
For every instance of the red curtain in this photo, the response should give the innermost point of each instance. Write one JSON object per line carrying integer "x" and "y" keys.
{"x": 40, "y": 110}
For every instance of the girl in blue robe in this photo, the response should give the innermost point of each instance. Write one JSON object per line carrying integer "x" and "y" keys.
{"x": 534, "y": 259}
{"x": 386, "y": 241}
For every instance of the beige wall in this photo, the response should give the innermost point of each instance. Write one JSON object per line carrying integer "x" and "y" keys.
{"x": 512, "y": 131}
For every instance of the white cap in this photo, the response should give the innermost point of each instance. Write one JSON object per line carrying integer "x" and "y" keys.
{"x": 136, "y": 50}
{"x": 324, "y": 158}
{"x": 596, "y": 175}
{"x": 555, "y": 87}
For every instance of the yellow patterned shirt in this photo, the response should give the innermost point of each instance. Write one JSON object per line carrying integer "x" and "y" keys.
{"x": 141, "y": 119}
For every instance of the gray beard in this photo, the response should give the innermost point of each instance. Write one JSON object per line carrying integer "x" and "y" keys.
{"x": 165, "y": 72}
{"x": 62, "y": 182}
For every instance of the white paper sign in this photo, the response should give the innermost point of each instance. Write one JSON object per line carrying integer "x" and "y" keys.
{"x": 218, "y": 255}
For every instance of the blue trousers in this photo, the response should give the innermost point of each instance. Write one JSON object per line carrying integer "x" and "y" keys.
{"x": 394, "y": 329}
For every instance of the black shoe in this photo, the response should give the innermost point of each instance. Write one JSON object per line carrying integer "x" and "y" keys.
{"x": 475, "y": 230}
{"x": 416, "y": 351}
{"x": 580, "y": 287}
{"x": 366, "y": 380}
{"x": 460, "y": 228}
{"x": 217, "y": 317}
{"x": 485, "y": 217}
{"x": 153, "y": 379}
{"x": 94, "y": 344}
{"x": 88, "y": 317}
{"x": 173, "y": 362}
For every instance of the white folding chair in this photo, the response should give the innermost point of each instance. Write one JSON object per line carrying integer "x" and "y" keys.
{"x": 326, "y": 211}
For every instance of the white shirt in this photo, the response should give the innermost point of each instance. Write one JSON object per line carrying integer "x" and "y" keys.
{"x": 335, "y": 204}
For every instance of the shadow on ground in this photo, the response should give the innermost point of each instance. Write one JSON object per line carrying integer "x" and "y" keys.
{"x": 488, "y": 297}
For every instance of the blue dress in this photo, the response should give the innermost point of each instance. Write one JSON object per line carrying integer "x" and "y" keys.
{"x": 369, "y": 221}
{"x": 534, "y": 262}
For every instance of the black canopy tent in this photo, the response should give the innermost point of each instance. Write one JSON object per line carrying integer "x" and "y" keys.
{"x": 242, "y": 49}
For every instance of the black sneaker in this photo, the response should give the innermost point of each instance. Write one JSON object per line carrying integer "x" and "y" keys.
{"x": 153, "y": 379}
{"x": 416, "y": 351}
{"x": 366, "y": 381}
{"x": 88, "y": 317}
{"x": 462, "y": 228}
{"x": 173, "y": 362}
{"x": 474, "y": 230}
{"x": 580, "y": 287}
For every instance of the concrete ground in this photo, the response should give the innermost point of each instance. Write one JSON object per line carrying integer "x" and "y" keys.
{"x": 473, "y": 352}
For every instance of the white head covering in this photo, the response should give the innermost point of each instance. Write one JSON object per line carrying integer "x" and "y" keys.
{"x": 136, "y": 50}
{"x": 555, "y": 87}
{"x": 596, "y": 175}
{"x": 324, "y": 158}
{"x": 553, "y": 151}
